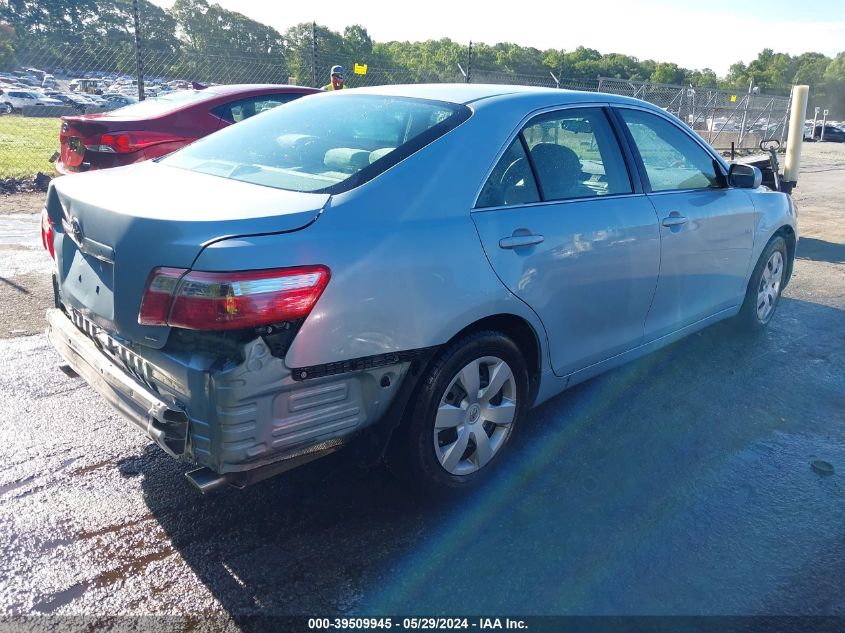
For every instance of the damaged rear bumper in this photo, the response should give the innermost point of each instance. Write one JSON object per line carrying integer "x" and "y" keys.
{"x": 166, "y": 425}
{"x": 241, "y": 421}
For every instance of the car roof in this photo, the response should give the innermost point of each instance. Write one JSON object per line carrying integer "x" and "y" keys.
{"x": 227, "y": 89}
{"x": 488, "y": 93}
{"x": 454, "y": 93}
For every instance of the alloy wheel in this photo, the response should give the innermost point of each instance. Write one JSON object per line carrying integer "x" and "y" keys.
{"x": 769, "y": 289}
{"x": 475, "y": 415}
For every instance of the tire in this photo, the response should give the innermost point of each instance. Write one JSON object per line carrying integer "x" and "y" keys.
{"x": 765, "y": 287}
{"x": 6, "y": 108}
{"x": 429, "y": 456}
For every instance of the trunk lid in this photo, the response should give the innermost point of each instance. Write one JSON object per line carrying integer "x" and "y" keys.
{"x": 78, "y": 131}
{"x": 113, "y": 227}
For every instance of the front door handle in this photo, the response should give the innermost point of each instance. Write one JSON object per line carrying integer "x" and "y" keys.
{"x": 674, "y": 219}
{"x": 515, "y": 241}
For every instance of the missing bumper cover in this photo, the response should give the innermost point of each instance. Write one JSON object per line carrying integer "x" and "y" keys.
{"x": 358, "y": 364}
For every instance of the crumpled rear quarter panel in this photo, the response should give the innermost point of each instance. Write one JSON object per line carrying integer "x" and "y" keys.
{"x": 261, "y": 413}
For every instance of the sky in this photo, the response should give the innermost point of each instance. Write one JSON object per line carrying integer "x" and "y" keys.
{"x": 712, "y": 34}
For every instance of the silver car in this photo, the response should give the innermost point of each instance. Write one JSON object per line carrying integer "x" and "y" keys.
{"x": 405, "y": 269}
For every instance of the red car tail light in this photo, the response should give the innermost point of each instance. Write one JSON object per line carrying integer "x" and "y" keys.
{"x": 126, "y": 142}
{"x": 198, "y": 300}
{"x": 47, "y": 234}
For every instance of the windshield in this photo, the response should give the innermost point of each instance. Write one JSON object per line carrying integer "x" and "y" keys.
{"x": 162, "y": 104}
{"x": 322, "y": 144}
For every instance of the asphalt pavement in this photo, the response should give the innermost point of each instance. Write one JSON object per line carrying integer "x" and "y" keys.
{"x": 679, "y": 484}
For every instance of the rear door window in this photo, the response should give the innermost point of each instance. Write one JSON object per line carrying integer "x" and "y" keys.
{"x": 572, "y": 153}
{"x": 576, "y": 155}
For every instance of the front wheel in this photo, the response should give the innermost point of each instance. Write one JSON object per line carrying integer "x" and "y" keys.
{"x": 765, "y": 287}
{"x": 463, "y": 415}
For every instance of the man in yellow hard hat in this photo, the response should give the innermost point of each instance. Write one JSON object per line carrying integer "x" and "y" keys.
{"x": 338, "y": 75}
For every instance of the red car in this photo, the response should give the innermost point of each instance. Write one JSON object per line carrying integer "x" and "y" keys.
{"x": 156, "y": 127}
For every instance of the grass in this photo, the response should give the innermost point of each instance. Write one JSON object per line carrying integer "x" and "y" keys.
{"x": 26, "y": 144}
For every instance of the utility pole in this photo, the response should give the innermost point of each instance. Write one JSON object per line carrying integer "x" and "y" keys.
{"x": 469, "y": 64}
{"x": 138, "y": 55}
{"x": 314, "y": 54}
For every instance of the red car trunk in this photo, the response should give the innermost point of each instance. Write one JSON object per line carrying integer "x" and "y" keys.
{"x": 156, "y": 127}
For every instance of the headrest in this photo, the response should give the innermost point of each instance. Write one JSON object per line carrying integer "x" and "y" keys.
{"x": 346, "y": 159}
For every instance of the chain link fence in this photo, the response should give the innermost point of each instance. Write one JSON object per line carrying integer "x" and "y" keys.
{"x": 729, "y": 121}
{"x": 90, "y": 78}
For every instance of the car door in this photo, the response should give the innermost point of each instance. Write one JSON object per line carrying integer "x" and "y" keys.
{"x": 706, "y": 227}
{"x": 567, "y": 230}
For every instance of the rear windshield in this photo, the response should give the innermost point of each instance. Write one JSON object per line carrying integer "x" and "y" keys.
{"x": 161, "y": 105}
{"x": 328, "y": 143}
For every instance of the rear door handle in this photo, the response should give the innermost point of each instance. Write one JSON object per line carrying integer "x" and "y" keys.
{"x": 515, "y": 241}
{"x": 674, "y": 219}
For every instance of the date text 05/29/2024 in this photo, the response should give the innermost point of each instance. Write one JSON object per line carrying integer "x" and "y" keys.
{"x": 417, "y": 623}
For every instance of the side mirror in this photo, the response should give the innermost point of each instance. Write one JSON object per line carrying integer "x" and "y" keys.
{"x": 744, "y": 176}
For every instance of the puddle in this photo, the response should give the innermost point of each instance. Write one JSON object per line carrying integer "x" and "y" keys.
{"x": 23, "y": 230}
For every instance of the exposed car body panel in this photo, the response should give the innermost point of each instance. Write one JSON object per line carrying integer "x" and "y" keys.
{"x": 242, "y": 414}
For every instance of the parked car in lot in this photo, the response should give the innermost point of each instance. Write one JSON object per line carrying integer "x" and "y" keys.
{"x": 156, "y": 127}
{"x": 832, "y": 134}
{"x": 16, "y": 100}
{"x": 114, "y": 101}
{"x": 404, "y": 267}
{"x": 72, "y": 100}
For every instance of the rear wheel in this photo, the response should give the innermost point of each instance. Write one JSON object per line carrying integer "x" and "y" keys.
{"x": 765, "y": 287}
{"x": 463, "y": 414}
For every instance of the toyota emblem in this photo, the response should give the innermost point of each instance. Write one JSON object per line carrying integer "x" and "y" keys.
{"x": 76, "y": 229}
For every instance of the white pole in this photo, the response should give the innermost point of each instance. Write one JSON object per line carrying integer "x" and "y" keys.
{"x": 796, "y": 133}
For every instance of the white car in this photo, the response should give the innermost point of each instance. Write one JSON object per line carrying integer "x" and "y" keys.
{"x": 18, "y": 99}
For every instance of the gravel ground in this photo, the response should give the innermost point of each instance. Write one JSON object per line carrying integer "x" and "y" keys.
{"x": 679, "y": 484}
{"x": 21, "y": 203}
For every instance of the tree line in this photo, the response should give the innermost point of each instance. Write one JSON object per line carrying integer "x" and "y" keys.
{"x": 200, "y": 40}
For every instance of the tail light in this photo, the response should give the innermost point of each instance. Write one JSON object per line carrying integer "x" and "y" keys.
{"x": 199, "y": 300}
{"x": 47, "y": 234}
{"x": 126, "y": 142}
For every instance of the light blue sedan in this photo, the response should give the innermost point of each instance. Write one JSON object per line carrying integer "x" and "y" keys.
{"x": 405, "y": 269}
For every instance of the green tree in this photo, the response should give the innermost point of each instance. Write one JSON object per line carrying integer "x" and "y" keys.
{"x": 834, "y": 83}
{"x": 809, "y": 69}
{"x": 8, "y": 60}
{"x": 226, "y": 46}
{"x": 206, "y": 27}
{"x": 357, "y": 43}
{"x": 666, "y": 73}
{"x": 704, "y": 78}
